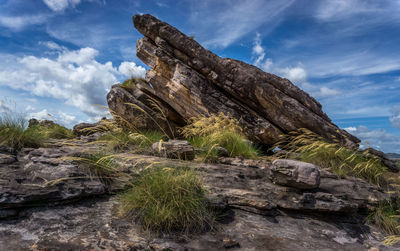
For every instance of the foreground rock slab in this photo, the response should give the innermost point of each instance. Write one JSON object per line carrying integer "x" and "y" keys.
{"x": 90, "y": 225}
{"x": 78, "y": 212}
{"x": 191, "y": 81}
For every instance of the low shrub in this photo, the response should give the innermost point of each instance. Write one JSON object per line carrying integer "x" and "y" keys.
{"x": 131, "y": 83}
{"x": 56, "y": 132}
{"x": 167, "y": 200}
{"x": 218, "y": 130}
{"x": 315, "y": 149}
{"x": 14, "y": 133}
{"x": 386, "y": 217}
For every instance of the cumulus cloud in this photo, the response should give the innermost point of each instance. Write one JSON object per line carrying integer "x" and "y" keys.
{"x": 131, "y": 69}
{"x": 74, "y": 77}
{"x": 43, "y": 114}
{"x": 395, "y": 118}
{"x": 379, "y": 139}
{"x": 66, "y": 119}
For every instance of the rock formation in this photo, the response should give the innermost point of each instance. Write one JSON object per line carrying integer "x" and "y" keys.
{"x": 50, "y": 202}
{"x": 192, "y": 81}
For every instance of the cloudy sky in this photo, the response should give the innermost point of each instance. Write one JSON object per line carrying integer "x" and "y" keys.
{"x": 58, "y": 58}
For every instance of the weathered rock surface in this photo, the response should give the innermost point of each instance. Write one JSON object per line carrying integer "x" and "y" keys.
{"x": 190, "y": 81}
{"x": 73, "y": 214}
{"x": 390, "y": 164}
{"x": 25, "y": 179}
{"x": 140, "y": 108}
{"x": 295, "y": 174}
{"x": 175, "y": 149}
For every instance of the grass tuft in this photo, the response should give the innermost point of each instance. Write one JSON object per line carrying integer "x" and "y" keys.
{"x": 131, "y": 83}
{"x": 167, "y": 200}
{"x": 14, "y": 133}
{"x": 56, "y": 132}
{"x": 218, "y": 130}
{"x": 314, "y": 149}
{"x": 125, "y": 139}
{"x": 387, "y": 217}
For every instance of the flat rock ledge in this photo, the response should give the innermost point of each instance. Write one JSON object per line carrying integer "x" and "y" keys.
{"x": 49, "y": 202}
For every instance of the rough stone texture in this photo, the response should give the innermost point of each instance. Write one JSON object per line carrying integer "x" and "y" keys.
{"x": 175, "y": 149}
{"x": 24, "y": 179}
{"x": 390, "y": 164}
{"x": 139, "y": 107}
{"x": 295, "y": 174}
{"x": 73, "y": 214}
{"x": 193, "y": 81}
{"x": 90, "y": 226}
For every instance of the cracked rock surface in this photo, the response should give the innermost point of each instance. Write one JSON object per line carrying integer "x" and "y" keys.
{"x": 77, "y": 213}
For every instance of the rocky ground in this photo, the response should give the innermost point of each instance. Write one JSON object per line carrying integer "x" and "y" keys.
{"x": 264, "y": 206}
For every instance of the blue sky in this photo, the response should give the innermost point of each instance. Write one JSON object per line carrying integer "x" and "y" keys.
{"x": 58, "y": 58}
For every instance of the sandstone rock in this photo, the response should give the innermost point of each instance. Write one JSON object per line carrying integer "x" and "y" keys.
{"x": 193, "y": 81}
{"x": 26, "y": 179}
{"x": 70, "y": 215}
{"x": 175, "y": 149}
{"x": 140, "y": 108}
{"x": 221, "y": 152}
{"x": 295, "y": 173}
{"x": 7, "y": 158}
{"x": 82, "y": 129}
{"x": 390, "y": 164}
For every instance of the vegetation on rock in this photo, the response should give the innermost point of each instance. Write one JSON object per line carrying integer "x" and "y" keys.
{"x": 343, "y": 161}
{"x": 15, "y": 133}
{"x": 167, "y": 199}
{"x": 218, "y": 130}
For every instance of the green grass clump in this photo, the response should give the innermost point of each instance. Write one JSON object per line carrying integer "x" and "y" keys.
{"x": 125, "y": 139}
{"x": 314, "y": 149}
{"x": 131, "y": 83}
{"x": 218, "y": 130}
{"x": 387, "y": 217}
{"x": 167, "y": 200}
{"x": 14, "y": 133}
{"x": 56, "y": 132}
{"x": 102, "y": 166}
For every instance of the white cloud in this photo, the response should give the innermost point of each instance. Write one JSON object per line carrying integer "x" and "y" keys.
{"x": 4, "y": 107}
{"x": 339, "y": 9}
{"x": 19, "y": 22}
{"x": 130, "y": 69}
{"x": 395, "y": 118}
{"x": 379, "y": 139}
{"x": 65, "y": 118}
{"x": 60, "y": 5}
{"x": 326, "y": 92}
{"x": 74, "y": 77}
{"x": 232, "y": 20}
{"x": 43, "y": 114}
{"x": 53, "y": 46}
{"x": 29, "y": 108}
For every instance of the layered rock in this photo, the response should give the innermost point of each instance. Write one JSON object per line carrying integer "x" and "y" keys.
{"x": 193, "y": 81}
{"x": 62, "y": 206}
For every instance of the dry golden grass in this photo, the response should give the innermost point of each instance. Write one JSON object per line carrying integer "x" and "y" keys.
{"x": 218, "y": 130}
{"x": 331, "y": 155}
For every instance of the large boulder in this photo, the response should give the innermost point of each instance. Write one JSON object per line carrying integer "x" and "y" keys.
{"x": 192, "y": 81}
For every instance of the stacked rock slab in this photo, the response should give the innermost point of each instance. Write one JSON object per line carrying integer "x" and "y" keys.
{"x": 194, "y": 81}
